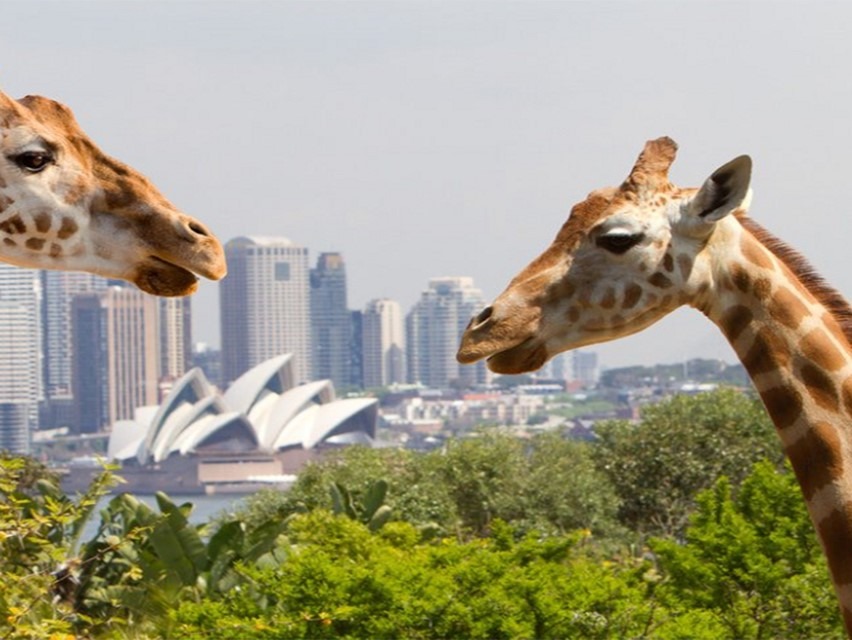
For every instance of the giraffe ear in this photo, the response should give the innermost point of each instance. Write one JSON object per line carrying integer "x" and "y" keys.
{"x": 723, "y": 192}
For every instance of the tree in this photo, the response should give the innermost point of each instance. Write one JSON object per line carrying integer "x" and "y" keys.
{"x": 751, "y": 565}
{"x": 680, "y": 447}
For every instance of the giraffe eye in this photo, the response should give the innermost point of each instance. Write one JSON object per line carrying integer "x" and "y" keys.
{"x": 33, "y": 161}
{"x": 619, "y": 243}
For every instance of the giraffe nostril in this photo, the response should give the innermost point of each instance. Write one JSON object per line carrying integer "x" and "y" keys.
{"x": 483, "y": 316}
{"x": 198, "y": 229}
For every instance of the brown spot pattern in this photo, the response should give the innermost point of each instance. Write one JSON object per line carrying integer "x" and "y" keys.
{"x": 35, "y": 244}
{"x": 784, "y": 405}
{"x": 755, "y": 253}
{"x": 817, "y": 347}
{"x": 762, "y": 288}
{"x": 573, "y": 314}
{"x": 846, "y": 389}
{"x": 55, "y": 250}
{"x": 42, "y": 221}
{"x": 831, "y": 323}
{"x": 608, "y": 300}
{"x": 67, "y": 229}
{"x": 668, "y": 262}
{"x": 631, "y": 296}
{"x": 835, "y": 531}
{"x": 735, "y": 320}
{"x": 820, "y": 387}
{"x": 816, "y": 458}
{"x": 768, "y": 353}
{"x": 13, "y": 225}
{"x": 5, "y": 201}
{"x": 76, "y": 192}
{"x": 660, "y": 280}
{"x": 9, "y": 242}
{"x": 786, "y": 308}
{"x": 740, "y": 278}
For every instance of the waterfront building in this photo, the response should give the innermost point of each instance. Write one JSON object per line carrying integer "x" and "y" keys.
{"x": 116, "y": 355}
{"x": 59, "y": 288}
{"x": 433, "y": 329}
{"x": 20, "y": 355}
{"x": 175, "y": 337}
{"x": 264, "y": 305}
{"x": 331, "y": 322}
{"x": 383, "y": 343}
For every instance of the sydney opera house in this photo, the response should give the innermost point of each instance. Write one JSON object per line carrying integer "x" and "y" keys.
{"x": 261, "y": 429}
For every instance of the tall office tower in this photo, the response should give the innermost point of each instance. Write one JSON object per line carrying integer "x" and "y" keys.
{"x": 20, "y": 354}
{"x": 59, "y": 288}
{"x": 434, "y": 326}
{"x": 264, "y": 305}
{"x": 116, "y": 355}
{"x": 383, "y": 344}
{"x": 331, "y": 329}
{"x": 584, "y": 367}
{"x": 356, "y": 349}
{"x": 175, "y": 337}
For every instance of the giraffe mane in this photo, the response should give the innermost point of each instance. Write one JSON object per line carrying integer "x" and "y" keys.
{"x": 827, "y": 295}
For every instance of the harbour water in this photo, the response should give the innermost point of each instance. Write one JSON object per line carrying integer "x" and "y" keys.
{"x": 204, "y": 508}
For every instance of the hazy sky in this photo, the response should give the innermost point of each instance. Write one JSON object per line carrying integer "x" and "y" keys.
{"x": 425, "y": 139}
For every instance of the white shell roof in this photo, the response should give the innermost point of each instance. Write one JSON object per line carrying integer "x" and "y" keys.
{"x": 262, "y": 405}
{"x": 245, "y": 391}
{"x": 287, "y": 406}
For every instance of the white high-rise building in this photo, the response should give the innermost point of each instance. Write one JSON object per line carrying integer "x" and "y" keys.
{"x": 383, "y": 343}
{"x": 116, "y": 355}
{"x": 59, "y": 288}
{"x": 433, "y": 330}
{"x": 265, "y": 305}
{"x": 20, "y": 355}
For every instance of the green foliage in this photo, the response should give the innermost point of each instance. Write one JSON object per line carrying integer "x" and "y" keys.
{"x": 493, "y": 537}
{"x": 341, "y": 581}
{"x": 751, "y": 563}
{"x": 39, "y": 530}
{"x": 548, "y": 484}
{"x": 680, "y": 447}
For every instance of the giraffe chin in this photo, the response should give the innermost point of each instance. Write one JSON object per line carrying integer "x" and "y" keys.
{"x": 523, "y": 358}
{"x": 161, "y": 278}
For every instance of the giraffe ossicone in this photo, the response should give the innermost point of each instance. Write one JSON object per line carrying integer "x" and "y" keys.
{"x": 66, "y": 205}
{"x": 627, "y": 256}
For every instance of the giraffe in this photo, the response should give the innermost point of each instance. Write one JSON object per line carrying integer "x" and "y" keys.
{"x": 66, "y": 205}
{"x": 628, "y": 256}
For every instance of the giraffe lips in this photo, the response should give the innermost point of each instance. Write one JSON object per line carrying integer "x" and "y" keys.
{"x": 161, "y": 278}
{"x": 523, "y": 357}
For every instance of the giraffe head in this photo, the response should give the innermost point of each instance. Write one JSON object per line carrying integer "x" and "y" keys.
{"x": 64, "y": 204}
{"x": 626, "y": 257}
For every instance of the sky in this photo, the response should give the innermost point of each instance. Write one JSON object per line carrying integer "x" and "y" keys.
{"x": 451, "y": 138}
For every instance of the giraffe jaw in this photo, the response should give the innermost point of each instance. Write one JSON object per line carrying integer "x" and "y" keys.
{"x": 528, "y": 356}
{"x": 161, "y": 278}
{"x": 521, "y": 357}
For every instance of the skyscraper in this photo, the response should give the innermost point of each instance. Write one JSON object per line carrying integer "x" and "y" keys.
{"x": 59, "y": 289}
{"x": 116, "y": 355}
{"x": 331, "y": 326}
{"x": 20, "y": 355}
{"x": 264, "y": 304}
{"x": 383, "y": 343}
{"x": 175, "y": 337}
{"x": 433, "y": 329}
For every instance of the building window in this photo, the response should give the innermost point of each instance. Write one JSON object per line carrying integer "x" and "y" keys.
{"x": 282, "y": 270}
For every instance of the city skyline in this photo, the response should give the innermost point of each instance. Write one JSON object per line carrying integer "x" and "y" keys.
{"x": 451, "y": 138}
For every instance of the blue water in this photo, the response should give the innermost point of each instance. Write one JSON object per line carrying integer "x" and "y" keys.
{"x": 204, "y": 508}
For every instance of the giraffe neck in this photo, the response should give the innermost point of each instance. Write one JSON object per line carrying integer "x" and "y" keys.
{"x": 786, "y": 327}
